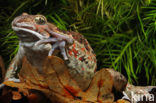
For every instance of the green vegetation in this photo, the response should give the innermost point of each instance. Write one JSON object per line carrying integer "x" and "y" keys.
{"x": 121, "y": 32}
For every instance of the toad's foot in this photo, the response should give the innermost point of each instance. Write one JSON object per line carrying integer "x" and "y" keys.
{"x": 1, "y": 86}
{"x": 14, "y": 80}
{"x": 10, "y": 79}
{"x": 56, "y": 44}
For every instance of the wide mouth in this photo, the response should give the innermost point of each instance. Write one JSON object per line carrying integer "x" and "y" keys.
{"x": 23, "y": 25}
{"x": 28, "y": 32}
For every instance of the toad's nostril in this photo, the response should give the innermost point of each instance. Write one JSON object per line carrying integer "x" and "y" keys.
{"x": 15, "y": 21}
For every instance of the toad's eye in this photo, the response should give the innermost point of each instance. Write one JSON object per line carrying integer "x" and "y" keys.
{"x": 40, "y": 20}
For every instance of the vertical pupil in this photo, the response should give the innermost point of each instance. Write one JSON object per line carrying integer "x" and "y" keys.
{"x": 40, "y": 20}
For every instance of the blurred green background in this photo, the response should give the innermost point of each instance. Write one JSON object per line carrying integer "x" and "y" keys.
{"x": 121, "y": 32}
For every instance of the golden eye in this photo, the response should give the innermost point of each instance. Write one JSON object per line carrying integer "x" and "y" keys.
{"x": 40, "y": 20}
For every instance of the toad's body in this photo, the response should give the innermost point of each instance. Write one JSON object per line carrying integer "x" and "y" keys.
{"x": 38, "y": 39}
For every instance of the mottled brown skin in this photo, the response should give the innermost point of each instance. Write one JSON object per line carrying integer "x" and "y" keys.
{"x": 71, "y": 46}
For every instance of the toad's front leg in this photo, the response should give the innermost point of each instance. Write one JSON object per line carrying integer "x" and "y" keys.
{"x": 57, "y": 43}
{"x": 61, "y": 46}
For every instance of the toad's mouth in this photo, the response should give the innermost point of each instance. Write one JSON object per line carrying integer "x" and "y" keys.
{"x": 28, "y": 33}
{"x": 24, "y": 32}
